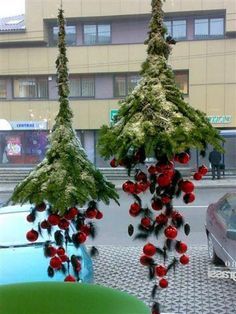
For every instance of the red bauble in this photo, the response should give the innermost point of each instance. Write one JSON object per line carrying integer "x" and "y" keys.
{"x": 163, "y": 180}
{"x": 45, "y": 224}
{"x": 187, "y": 186}
{"x": 54, "y": 219}
{"x": 189, "y": 198}
{"x": 197, "y": 176}
{"x": 183, "y": 158}
{"x": 152, "y": 169}
{"x": 51, "y": 251}
{"x": 138, "y": 188}
{"x": 161, "y": 271}
{"x": 40, "y": 207}
{"x": 81, "y": 237}
{"x": 85, "y": 229}
{"x": 165, "y": 199}
{"x": 149, "y": 249}
{"x": 134, "y": 209}
{"x": 61, "y": 251}
{"x": 162, "y": 219}
{"x": 32, "y": 235}
{"x": 30, "y": 218}
{"x": 99, "y": 215}
{"x": 165, "y": 167}
{"x": 181, "y": 247}
{"x": 64, "y": 258}
{"x": 203, "y": 170}
{"x": 63, "y": 224}
{"x": 163, "y": 283}
{"x": 128, "y": 187}
{"x": 91, "y": 213}
{"x": 146, "y": 260}
{"x": 113, "y": 163}
{"x": 70, "y": 278}
{"x": 155, "y": 312}
{"x": 55, "y": 262}
{"x": 176, "y": 157}
{"x": 184, "y": 259}
{"x": 157, "y": 204}
{"x": 73, "y": 212}
{"x": 171, "y": 232}
{"x": 146, "y": 222}
{"x": 141, "y": 176}
{"x": 176, "y": 215}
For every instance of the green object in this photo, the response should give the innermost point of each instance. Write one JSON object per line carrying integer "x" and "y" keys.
{"x": 65, "y": 177}
{"x": 155, "y": 116}
{"x": 113, "y": 114}
{"x": 67, "y": 298}
{"x": 220, "y": 119}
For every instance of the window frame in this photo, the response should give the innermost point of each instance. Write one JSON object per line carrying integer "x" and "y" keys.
{"x": 184, "y": 71}
{"x": 37, "y": 87}
{"x": 80, "y": 78}
{"x": 126, "y": 75}
{"x": 54, "y": 44}
{"x": 209, "y": 36}
{"x": 5, "y": 83}
{"x": 97, "y": 43}
{"x": 171, "y": 20}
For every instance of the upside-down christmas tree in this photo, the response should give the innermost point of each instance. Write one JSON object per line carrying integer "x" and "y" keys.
{"x": 64, "y": 180}
{"x": 155, "y": 121}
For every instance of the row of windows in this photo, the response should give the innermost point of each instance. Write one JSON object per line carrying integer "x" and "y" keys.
{"x": 100, "y": 33}
{"x": 83, "y": 87}
{"x": 203, "y": 27}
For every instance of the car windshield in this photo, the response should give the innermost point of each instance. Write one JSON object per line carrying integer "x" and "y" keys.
{"x": 231, "y": 199}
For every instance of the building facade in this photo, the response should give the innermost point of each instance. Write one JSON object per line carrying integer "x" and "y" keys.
{"x": 105, "y": 51}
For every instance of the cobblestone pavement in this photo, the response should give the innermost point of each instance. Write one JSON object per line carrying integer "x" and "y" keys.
{"x": 190, "y": 290}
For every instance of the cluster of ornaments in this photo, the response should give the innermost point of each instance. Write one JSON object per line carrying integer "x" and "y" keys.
{"x": 59, "y": 228}
{"x": 164, "y": 183}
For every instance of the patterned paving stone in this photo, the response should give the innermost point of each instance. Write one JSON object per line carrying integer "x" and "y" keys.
{"x": 190, "y": 291}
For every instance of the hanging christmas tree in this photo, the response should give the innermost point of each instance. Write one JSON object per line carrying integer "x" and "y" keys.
{"x": 155, "y": 121}
{"x": 64, "y": 180}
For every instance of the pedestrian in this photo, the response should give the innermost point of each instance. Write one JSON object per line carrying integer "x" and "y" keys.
{"x": 215, "y": 158}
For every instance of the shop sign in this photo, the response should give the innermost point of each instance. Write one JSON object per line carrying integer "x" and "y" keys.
{"x": 13, "y": 146}
{"x": 219, "y": 119}
{"x": 113, "y": 114}
{"x": 29, "y": 125}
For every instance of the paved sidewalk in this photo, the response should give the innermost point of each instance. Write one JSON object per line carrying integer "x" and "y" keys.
{"x": 190, "y": 289}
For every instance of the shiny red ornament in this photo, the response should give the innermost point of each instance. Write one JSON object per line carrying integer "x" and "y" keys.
{"x": 203, "y": 170}
{"x": 134, "y": 209}
{"x": 165, "y": 167}
{"x": 54, "y": 219}
{"x": 197, "y": 176}
{"x": 113, "y": 163}
{"x": 157, "y": 204}
{"x": 55, "y": 262}
{"x": 129, "y": 187}
{"x": 70, "y": 278}
{"x": 85, "y": 229}
{"x": 145, "y": 260}
{"x": 155, "y": 312}
{"x": 32, "y": 235}
{"x": 99, "y": 215}
{"x": 91, "y": 213}
{"x": 152, "y": 169}
{"x": 138, "y": 188}
{"x": 146, "y": 222}
{"x": 81, "y": 237}
{"x": 171, "y": 232}
{"x": 61, "y": 251}
{"x": 45, "y": 224}
{"x": 176, "y": 215}
{"x": 71, "y": 213}
{"x": 165, "y": 199}
{"x": 30, "y": 218}
{"x": 141, "y": 176}
{"x": 63, "y": 224}
{"x": 64, "y": 258}
{"x": 40, "y": 207}
{"x": 188, "y": 198}
{"x": 149, "y": 249}
{"x": 181, "y": 247}
{"x": 184, "y": 259}
{"x": 51, "y": 251}
{"x": 183, "y": 158}
{"x": 161, "y": 271}
{"x": 162, "y": 219}
{"x": 163, "y": 283}
{"x": 187, "y": 186}
{"x": 163, "y": 180}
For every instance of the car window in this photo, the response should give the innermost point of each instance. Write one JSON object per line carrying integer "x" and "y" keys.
{"x": 224, "y": 210}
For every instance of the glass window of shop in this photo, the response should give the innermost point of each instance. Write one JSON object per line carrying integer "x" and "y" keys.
{"x": 22, "y": 147}
{"x": 124, "y": 84}
{"x": 209, "y": 27}
{"x": 82, "y": 87}
{"x": 97, "y": 34}
{"x": 30, "y": 87}
{"x": 3, "y": 88}
{"x": 176, "y": 28}
{"x": 182, "y": 81}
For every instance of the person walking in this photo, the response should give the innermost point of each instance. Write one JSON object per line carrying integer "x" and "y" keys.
{"x": 215, "y": 158}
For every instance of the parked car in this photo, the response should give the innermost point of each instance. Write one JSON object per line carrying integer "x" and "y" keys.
{"x": 221, "y": 231}
{"x": 21, "y": 261}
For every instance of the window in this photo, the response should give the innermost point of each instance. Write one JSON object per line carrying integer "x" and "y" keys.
{"x": 30, "y": 88}
{"x": 70, "y": 35}
{"x": 82, "y": 87}
{"x": 97, "y": 34}
{"x": 181, "y": 80}
{"x": 124, "y": 84}
{"x": 209, "y": 27}
{"x": 3, "y": 88}
{"x": 176, "y": 28}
